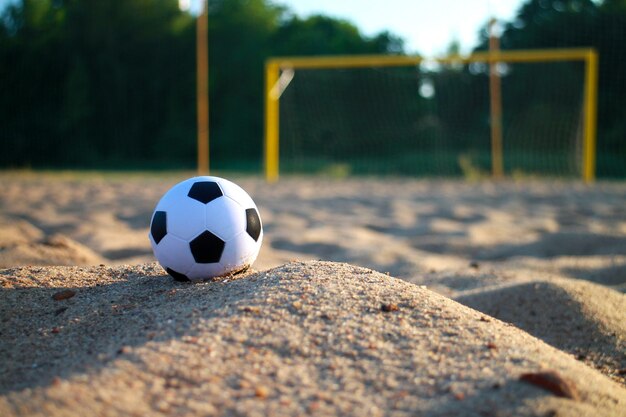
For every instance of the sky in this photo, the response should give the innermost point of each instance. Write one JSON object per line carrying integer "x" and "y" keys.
{"x": 427, "y": 26}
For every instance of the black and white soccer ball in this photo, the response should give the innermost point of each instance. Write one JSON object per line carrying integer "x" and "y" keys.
{"x": 205, "y": 227}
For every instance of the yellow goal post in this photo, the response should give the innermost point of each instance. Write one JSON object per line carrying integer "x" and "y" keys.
{"x": 274, "y": 66}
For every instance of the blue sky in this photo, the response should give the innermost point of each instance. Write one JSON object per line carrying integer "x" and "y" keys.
{"x": 427, "y": 26}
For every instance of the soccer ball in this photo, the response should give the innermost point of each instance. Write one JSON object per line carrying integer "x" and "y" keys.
{"x": 205, "y": 227}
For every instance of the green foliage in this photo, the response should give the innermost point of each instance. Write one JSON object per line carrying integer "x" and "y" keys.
{"x": 110, "y": 83}
{"x": 107, "y": 82}
{"x": 570, "y": 24}
{"x": 471, "y": 171}
{"x": 94, "y": 83}
{"x": 321, "y": 35}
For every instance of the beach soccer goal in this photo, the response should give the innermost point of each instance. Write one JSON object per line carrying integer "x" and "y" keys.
{"x": 411, "y": 116}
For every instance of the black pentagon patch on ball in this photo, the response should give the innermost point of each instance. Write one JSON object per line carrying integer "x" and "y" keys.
{"x": 177, "y": 275}
{"x": 205, "y": 191}
{"x": 253, "y": 223}
{"x": 158, "y": 228}
{"x": 207, "y": 248}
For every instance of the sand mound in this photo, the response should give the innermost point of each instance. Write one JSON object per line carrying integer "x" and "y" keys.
{"x": 57, "y": 249}
{"x": 608, "y": 270}
{"x": 305, "y": 338}
{"x": 579, "y": 317}
{"x": 21, "y": 243}
{"x": 15, "y": 232}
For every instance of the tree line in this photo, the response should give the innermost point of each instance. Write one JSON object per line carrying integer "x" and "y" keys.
{"x": 111, "y": 84}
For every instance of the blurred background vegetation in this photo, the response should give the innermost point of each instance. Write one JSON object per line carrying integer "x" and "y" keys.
{"x": 111, "y": 84}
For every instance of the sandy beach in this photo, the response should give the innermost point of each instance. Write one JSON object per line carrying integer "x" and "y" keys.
{"x": 369, "y": 297}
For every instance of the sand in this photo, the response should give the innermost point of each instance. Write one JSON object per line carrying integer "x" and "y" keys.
{"x": 312, "y": 338}
{"x": 583, "y": 319}
{"x": 431, "y": 298}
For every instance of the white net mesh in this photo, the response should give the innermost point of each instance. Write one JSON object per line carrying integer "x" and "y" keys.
{"x": 414, "y": 121}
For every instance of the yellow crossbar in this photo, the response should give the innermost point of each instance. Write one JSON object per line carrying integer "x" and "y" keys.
{"x": 355, "y": 61}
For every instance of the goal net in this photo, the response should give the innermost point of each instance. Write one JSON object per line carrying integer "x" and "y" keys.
{"x": 404, "y": 116}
